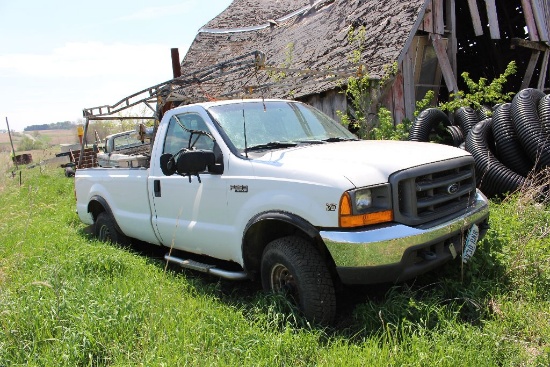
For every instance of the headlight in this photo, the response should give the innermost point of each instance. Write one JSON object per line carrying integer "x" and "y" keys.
{"x": 366, "y": 206}
{"x": 363, "y": 200}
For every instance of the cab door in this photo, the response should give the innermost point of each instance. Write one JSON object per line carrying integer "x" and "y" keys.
{"x": 190, "y": 213}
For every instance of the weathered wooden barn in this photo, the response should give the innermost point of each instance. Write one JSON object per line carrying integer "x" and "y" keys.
{"x": 431, "y": 41}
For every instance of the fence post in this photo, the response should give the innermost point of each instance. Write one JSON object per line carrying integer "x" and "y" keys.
{"x": 11, "y": 142}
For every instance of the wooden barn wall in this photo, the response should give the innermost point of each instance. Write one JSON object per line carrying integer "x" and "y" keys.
{"x": 438, "y": 22}
{"x": 328, "y": 102}
{"x": 394, "y": 99}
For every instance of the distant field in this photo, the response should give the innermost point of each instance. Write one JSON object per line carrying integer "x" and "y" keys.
{"x": 53, "y": 138}
{"x": 5, "y": 138}
{"x": 60, "y": 136}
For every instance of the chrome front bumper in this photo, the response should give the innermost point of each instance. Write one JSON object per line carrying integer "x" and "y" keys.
{"x": 394, "y": 251}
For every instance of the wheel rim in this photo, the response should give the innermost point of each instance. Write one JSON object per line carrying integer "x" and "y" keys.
{"x": 283, "y": 281}
{"x": 104, "y": 234}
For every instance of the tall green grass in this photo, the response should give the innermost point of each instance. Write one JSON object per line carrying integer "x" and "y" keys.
{"x": 68, "y": 300}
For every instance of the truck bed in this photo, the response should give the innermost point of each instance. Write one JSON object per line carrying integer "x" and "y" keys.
{"x": 131, "y": 211}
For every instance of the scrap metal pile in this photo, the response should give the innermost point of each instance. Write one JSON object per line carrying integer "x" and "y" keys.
{"x": 509, "y": 142}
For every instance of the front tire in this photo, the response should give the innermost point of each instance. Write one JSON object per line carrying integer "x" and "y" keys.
{"x": 105, "y": 230}
{"x": 292, "y": 265}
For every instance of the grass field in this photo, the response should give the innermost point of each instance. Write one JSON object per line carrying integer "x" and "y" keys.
{"x": 68, "y": 300}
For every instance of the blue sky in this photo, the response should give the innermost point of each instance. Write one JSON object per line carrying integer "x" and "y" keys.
{"x": 58, "y": 57}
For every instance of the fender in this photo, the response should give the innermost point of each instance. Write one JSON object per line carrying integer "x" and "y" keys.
{"x": 254, "y": 241}
{"x": 287, "y": 217}
{"x": 105, "y": 206}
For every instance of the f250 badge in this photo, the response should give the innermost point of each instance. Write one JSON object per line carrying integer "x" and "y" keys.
{"x": 331, "y": 207}
{"x": 238, "y": 188}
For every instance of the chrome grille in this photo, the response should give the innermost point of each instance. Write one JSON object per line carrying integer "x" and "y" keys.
{"x": 434, "y": 191}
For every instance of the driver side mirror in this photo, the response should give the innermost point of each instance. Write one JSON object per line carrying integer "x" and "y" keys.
{"x": 192, "y": 162}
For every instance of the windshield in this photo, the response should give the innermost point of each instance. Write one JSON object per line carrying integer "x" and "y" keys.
{"x": 280, "y": 124}
{"x": 126, "y": 141}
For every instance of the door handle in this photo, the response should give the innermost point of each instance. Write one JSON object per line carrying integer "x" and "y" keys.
{"x": 156, "y": 188}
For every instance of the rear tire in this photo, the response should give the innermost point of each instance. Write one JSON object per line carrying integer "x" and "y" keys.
{"x": 105, "y": 230}
{"x": 293, "y": 266}
{"x": 69, "y": 172}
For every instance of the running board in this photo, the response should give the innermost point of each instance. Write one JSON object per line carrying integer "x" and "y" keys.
{"x": 206, "y": 268}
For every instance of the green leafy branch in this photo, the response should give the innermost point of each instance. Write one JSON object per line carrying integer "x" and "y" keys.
{"x": 480, "y": 93}
{"x": 388, "y": 130}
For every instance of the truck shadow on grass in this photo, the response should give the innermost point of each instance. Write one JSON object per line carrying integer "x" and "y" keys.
{"x": 451, "y": 294}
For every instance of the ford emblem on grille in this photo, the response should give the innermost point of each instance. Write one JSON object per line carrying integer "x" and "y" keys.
{"x": 453, "y": 188}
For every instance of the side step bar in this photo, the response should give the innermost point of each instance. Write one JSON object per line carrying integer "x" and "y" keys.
{"x": 206, "y": 268}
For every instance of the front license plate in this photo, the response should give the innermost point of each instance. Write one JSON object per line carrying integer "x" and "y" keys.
{"x": 470, "y": 244}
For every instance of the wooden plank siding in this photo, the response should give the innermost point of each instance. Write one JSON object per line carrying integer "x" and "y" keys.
{"x": 407, "y": 68}
{"x": 416, "y": 26}
{"x": 452, "y": 48}
{"x": 439, "y": 17}
{"x": 530, "y": 69}
{"x": 427, "y": 24}
{"x": 474, "y": 12}
{"x": 328, "y": 102}
{"x": 433, "y": 20}
{"x": 544, "y": 69}
{"x": 494, "y": 28}
{"x": 541, "y": 14}
{"x": 444, "y": 63}
{"x": 530, "y": 20}
{"x": 394, "y": 99}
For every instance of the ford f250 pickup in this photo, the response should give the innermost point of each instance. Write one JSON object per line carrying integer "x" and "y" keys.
{"x": 282, "y": 193}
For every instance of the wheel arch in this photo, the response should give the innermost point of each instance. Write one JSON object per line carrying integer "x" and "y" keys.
{"x": 268, "y": 226}
{"x": 98, "y": 205}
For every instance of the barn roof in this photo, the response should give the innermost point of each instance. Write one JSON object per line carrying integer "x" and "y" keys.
{"x": 301, "y": 34}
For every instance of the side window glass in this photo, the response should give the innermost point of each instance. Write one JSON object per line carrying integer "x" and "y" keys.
{"x": 178, "y": 138}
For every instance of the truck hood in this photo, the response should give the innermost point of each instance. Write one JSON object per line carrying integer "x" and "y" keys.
{"x": 364, "y": 162}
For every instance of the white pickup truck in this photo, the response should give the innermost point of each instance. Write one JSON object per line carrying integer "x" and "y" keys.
{"x": 278, "y": 191}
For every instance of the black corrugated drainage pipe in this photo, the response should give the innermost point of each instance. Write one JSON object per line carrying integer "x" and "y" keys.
{"x": 493, "y": 177}
{"x": 456, "y": 135}
{"x": 425, "y": 122}
{"x": 484, "y": 112}
{"x": 508, "y": 148}
{"x": 544, "y": 114}
{"x": 466, "y": 117}
{"x": 528, "y": 126}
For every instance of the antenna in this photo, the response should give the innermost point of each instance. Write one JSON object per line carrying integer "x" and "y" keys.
{"x": 244, "y": 131}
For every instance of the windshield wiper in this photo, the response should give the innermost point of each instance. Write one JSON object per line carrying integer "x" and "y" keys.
{"x": 311, "y": 141}
{"x": 336, "y": 139}
{"x": 324, "y": 141}
{"x": 271, "y": 145}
